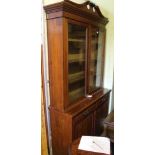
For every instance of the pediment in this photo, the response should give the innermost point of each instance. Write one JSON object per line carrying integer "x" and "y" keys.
{"x": 86, "y": 9}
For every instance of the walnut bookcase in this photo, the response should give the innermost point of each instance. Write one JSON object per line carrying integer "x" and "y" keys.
{"x": 76, "y": 48}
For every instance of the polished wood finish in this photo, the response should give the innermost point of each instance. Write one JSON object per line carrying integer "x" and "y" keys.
{"x": 68, "y": 126}
{"x": 83, "y": 123}
{"x": 56, "y": 62}
{"x": 61, "y": 132}
{"x": 68, "y": 8}
{"x": 100, "y": 114}
{"x": 70, "y": 120}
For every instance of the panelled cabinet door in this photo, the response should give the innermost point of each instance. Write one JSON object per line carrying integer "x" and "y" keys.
{"x": 95, "y": 60}
{"x": 83, "y": 125}
{"x": 77, "y": 49}
{"x": 100, "y": 115}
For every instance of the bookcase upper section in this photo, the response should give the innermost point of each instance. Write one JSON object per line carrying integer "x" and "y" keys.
{"x": 76, "y": 35}
{"x": 86, "y": 10}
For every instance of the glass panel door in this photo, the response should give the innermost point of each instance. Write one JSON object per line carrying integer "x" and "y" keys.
{"x": 76, "y": 61}
{"x": 95, "y": 60}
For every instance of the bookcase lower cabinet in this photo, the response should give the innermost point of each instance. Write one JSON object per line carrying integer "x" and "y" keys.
{"x": 68, "y": 126}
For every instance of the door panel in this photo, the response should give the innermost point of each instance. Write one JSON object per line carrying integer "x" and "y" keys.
{"x": 83, "y": 124}
{"x": 77, "y": 42}
{"x": 84, "y": 127}
{"x": 95, "y": 69}
{"x": 100, "y": 115}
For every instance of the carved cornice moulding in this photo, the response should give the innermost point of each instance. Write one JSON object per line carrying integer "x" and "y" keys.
{"x": 86, "y": 10}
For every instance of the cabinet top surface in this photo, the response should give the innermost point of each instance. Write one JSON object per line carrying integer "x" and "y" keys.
{"x": 87, "y": 103}
{"x": 86, "y": 10}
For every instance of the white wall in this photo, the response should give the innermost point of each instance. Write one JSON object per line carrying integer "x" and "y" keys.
{"x": 107, "y": 9}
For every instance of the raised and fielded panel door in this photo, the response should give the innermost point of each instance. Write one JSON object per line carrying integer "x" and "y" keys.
{"x": 100, "y": 115}
{"x": 84, "y": 126}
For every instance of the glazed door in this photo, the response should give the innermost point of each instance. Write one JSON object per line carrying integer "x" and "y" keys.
{"x": 77, "y": 50}
{"x": 85, "y": 60}
{"x": 95, "y": 62}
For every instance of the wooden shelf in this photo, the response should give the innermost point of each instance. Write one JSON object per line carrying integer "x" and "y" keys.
{"x": 79, "y": 34}
{"x": 76, "y": 40}
{"x": 76, "y": 57}
{"x": 76, "y": 93}
{"x": 76, "y": 77}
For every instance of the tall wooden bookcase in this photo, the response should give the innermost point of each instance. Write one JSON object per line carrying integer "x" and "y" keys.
{"x": 76, "y": 50}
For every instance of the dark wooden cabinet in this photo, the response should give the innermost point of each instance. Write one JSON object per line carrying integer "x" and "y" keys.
{"x": 77, "y": 121}
{"x": 84, "y": 125}
{"x": 100, "y": 114}
{"x": 76, "y": 52}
